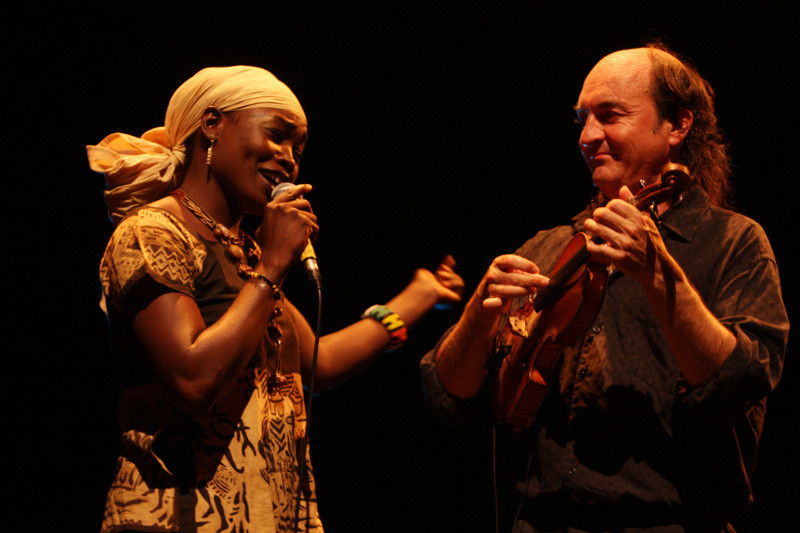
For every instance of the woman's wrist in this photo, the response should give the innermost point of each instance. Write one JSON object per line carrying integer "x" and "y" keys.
{"x": 267, "y": 281}
{"x": 273, "y": 269}
{"x": 422, "y": 291}
{"x": 390, "y": 320}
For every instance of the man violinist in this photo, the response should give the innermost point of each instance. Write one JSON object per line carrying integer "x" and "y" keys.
{"x": 652, "y": 418}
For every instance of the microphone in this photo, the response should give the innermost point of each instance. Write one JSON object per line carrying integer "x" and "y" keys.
{"x": 308, "y": 257}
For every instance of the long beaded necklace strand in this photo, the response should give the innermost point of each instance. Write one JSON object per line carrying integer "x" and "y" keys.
{"x": 242, "y": 250}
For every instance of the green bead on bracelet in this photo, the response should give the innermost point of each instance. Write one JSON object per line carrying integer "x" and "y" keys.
{"x": 391, "y": 321}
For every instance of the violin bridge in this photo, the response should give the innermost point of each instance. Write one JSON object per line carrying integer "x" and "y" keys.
{"x": 522, "y": 327}
{"x": 518, "y": 326}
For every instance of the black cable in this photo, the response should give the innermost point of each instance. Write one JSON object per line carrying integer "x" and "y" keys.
{"x": 496, "y": 487}
{"x": 492, "y": 368}
{"x": 494, "y": 480}
{"x": 301, "y": 459}
{"x": 527, "y": 487}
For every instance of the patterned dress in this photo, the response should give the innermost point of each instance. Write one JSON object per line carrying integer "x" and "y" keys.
{"x": 233, "y": 469}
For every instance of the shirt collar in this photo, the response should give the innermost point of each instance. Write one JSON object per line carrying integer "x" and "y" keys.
{"x": 684, "y": 217}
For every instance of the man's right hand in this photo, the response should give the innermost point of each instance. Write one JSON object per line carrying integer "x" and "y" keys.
{"x": 461, "y": 358}
{"x": 509, "y": 276}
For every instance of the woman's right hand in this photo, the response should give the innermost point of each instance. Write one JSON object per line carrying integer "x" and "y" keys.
{"x": 287, "y": 226}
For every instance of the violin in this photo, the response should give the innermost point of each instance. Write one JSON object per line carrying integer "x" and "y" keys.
{"x": 539, "y": 327}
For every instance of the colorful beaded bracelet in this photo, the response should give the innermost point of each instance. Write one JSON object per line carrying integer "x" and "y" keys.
{"x": 391, "y": 321}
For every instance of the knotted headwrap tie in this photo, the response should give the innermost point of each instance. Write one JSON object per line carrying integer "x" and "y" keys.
{"x": 141, "y": 170}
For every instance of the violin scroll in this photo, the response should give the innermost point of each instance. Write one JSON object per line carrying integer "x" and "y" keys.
{"x": 676, "y": 176}
{"x": 675, "y": 180}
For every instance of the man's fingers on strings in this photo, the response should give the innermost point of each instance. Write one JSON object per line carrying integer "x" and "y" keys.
{"x": 511, "y": 262}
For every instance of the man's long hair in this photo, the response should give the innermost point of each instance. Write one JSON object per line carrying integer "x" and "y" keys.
{"x": 677, "y": 85}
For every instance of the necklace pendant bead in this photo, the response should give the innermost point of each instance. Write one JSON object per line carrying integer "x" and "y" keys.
{"x": 237, "y": 253}
{"x": 240, "y": 249}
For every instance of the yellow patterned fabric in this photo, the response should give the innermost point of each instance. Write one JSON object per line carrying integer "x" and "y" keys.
{"x": 151, "y": 243}
{"x": 234, "y": 469}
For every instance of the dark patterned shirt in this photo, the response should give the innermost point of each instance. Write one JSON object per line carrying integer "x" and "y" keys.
{"x": 622, "y": 441}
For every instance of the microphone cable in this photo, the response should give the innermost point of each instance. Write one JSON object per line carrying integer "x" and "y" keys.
{"x": 304, "y": 444}
{"x": 309, "y": 261}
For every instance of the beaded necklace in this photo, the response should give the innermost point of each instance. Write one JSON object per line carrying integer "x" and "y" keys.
{"x": 240, "y": 249}
{"x": 243, "y": 251}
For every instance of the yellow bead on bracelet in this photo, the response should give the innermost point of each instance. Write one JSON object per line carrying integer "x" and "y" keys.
{"x": 276, "y": 292}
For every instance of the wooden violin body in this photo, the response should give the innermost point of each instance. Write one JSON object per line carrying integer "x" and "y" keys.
{"x": 538, "y": 329}
{"x": 533, "y": 340}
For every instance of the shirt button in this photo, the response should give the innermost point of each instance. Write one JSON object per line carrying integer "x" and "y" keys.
{"x": 571, "y": 471}
{"x": 582, "y": 372}
{"x": 596, "y": 329}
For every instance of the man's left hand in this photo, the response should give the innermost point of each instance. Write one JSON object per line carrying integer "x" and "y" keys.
{"x": 632, "y": 242}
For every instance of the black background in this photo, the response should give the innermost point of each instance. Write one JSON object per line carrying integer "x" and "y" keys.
{"x": 434, "y": 129}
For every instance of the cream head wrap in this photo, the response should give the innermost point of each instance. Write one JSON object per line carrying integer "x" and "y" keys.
{"x": 141, "y": 170}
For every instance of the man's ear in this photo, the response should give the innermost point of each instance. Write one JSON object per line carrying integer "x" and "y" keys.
{"x": 210, "y": 122}
{"x": 680, "y": 128}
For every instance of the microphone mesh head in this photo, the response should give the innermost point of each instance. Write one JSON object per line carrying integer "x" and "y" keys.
{"x": 281, "y": 188}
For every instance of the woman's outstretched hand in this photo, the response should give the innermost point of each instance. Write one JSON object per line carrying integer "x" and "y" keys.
{"x": 447, "y": 285}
